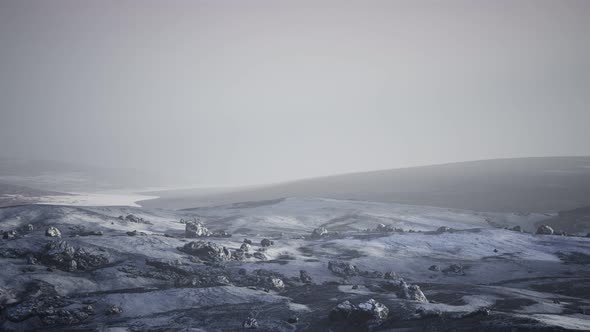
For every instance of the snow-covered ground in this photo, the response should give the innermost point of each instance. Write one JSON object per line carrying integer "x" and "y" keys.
{"x": 526, "y": 280}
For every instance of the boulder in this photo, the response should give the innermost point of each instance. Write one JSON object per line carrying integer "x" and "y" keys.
{"x": 10, "y": 235}
{"x": 517, "y": 229}
{"x": 195, "y": 229}
{"x": 305, "y": 277}
{"x": 65, "y": 257}
{"x": 435, "y": 268}
{"x": 248, "y": 241}
{"x": 545, "y": 230}
{"x": 343, "y": 269}
{"x": 454, "y": 268}
{"x": 53, "y": 232}
{"x": 250, "y": 323}
{"x": 390, "y": 275}
{"x": 207, "y": 251}
{"x": 319, "y": 233}
{"x": 411, "y": 292}
{"x": 266, "y": 243}
{"x": 276, "y": 283}
{"x": 245, "y": 247}
{"x": 114, "y": 310}
{"x": 382, "y": 228}
{"x": 443, "y": 229}
{"x": 364, "y": 312}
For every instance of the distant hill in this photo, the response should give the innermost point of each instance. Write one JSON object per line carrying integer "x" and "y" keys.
{"x": 11, "y": 195}
{"x": 503, "y": 185}
{"x": 64, "y": 176}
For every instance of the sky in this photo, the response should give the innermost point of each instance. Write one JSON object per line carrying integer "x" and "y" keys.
{"x": 245, "y": 92}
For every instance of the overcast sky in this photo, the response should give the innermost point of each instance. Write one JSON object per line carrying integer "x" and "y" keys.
{"x": 243, "y": 92}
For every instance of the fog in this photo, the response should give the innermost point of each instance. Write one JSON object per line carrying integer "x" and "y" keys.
{"x": 245, "y": 92}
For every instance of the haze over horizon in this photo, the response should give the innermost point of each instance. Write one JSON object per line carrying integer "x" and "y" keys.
{"x": 235, "y": 93}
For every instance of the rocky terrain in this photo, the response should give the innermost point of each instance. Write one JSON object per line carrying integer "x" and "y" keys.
{"x": 296, "y": 264}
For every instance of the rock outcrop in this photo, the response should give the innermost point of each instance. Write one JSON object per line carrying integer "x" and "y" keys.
{"x": 545, "y": 230}
{"x": 207, "y": 251}
{"x": 343, "y": 269}
{"x": 411, "y": 292}
{"x": 53, "y": 232}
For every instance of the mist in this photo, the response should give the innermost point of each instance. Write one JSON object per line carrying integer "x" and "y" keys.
{"x": 235, "y": 92}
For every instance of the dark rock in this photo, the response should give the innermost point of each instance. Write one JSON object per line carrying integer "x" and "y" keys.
{"x": 10, "y": 235}
{"x": 266, "y": 243}
{"x": 382, "y": 228}
{"x": 292, "y": 319}
{"x": 411, "y": 292}
{"x": 454, "y": 268}
{"x": 245, "y": 247}
{"x": 248, "y": 241}
{"x": 435, "y": 268}
{"x": 390, "y": 275}
{"x": 443, "y": 229}
{"x": 65, "y": 257}
{"x": 319, "y": 233}
{"x": 305, "y": 277}
{"x": 207, "y": 251}
{"x": 195, "y": 229}
{"x": 250, "y": 323}
{"x": 343, "y": 269}
{"x": 517, "y": 229}
{"x": 114, "y": 310}
{"x": 259, "y": 255}
{"x": 370, "y": 311}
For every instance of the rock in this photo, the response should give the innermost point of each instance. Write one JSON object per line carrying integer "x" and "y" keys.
{"x": 276, "y": 283}
{"x": 261, "y": 256}
{"x": 207, "y": 251}
{"x": 495, "y": 250}
{"x": 443, "y": 229}
{"x": 222, "y": 280}
{"x": 67, "y": 258}
{"x": 90, "y": 233}
{"x": 29, "y": 228}
{"x": 343, "y": 269}
{"x": 517, "y": 229}
{"x": 53, "y": 232}
{"x": 250, "y": 323}
{"x": 435, "y": 268}
{"x": 114, "y": 310}
{"x": 220, "y": 234}
{"x": 266, "y": 243}
{"x": 411, "y": 292}
{"x": 390, "y": 275}
{"x": 245, "y": 247}
{"x": 239, "y": 254}
{"x": 342, "y": 311}
{"x": 319, "y": 233}
{"x": 305, "y": 277}
{"x": 31, "y": 260}
{"x": 10, "y": 235}
{"x": 372, "y": 310}
{"x": 133, "y": 233}
{"x": 382, "y": 228}
{"x": 292, "y": 319}
{"x": 545, "y": 230}
{"x": 136, "y": 219}
{"x": 355, "y": 286}
{"x": 195, "y": 229}
{"x": 364, "y": 312}
{"x": 454, "y": 268}
{"x": 7, "y": 297}
{"x": 246, "y": 241}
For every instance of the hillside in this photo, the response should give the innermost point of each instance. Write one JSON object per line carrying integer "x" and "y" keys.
{"x": 501, "y": 185}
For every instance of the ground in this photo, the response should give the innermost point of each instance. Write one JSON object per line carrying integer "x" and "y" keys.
{"x": 125, "y": 280}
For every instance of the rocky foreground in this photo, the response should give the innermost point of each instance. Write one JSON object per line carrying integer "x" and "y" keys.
{"x": 288, "y": 265}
